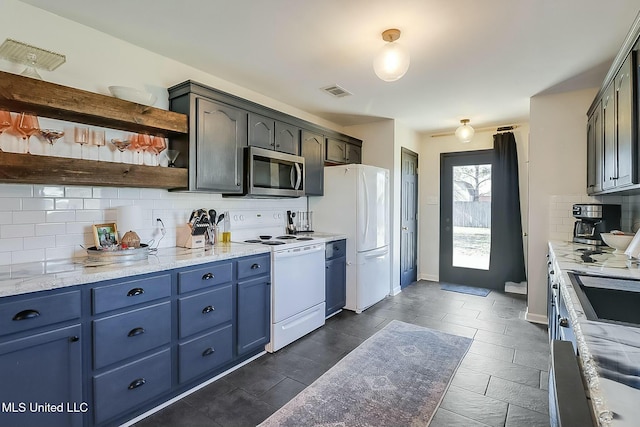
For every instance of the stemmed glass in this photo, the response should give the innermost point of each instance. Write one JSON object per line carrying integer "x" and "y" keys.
{"x": 96, "y": 137}
{"x": 136, "y": 148}
{"x": 51, "y": 135}
{"x": 81, "y": 136}
{"x": 159, "y": 144}
{"x": 5, "y": 121}
{"x": 121, "y": 145}
{"x": 27, "y": 125}
{"x": 146, "y": 147}
{"x": 172, "y": 156}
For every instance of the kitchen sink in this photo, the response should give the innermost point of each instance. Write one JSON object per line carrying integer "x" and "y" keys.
{"x": 608, "y": 299}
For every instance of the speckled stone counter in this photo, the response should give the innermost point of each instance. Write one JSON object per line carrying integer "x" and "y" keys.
{"x": 39, "y": 276}
{"x": 609, "y": 353}
{"x": 327, "y": 237}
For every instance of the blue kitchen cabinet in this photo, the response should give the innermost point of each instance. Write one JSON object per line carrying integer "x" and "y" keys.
{"x": 254, "y": 301}
{"x": 41, "y": 360}
{"x": 335, "y": 276}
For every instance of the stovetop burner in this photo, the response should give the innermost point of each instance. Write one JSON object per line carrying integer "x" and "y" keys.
{"x": 272, "y": 243}
{"x": 253, "y": 241}
{"x": 287, "y": 237}
{"x": 304, "y": 238}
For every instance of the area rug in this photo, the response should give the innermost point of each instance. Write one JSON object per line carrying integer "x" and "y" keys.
{"x": 464, "y": 289}
{"x": 397, "y": 377}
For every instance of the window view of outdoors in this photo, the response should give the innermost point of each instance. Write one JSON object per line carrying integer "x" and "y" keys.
{"x": 472, "y": 216}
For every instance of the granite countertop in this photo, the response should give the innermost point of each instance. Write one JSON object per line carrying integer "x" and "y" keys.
{"x": 327, "y": 237}
{"x": 609, "y": 353}
{"x": 18, "y": 279}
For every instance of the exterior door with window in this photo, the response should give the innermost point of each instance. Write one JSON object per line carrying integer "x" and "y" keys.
{"x": 465, "y": 218}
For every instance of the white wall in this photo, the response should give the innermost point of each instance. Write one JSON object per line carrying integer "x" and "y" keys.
{"x": 384, "y": 140}
{"x": 557, "y": 166}
{"x": 40, "y": 222}
{"x": 431, "y": 149}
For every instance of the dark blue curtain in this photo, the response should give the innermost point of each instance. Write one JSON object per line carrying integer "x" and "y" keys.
{"x": 507, "y": 254}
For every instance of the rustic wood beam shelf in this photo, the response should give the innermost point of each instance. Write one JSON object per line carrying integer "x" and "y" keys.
{"x": 24, "y": 94}
{"x": 32, "y": 169}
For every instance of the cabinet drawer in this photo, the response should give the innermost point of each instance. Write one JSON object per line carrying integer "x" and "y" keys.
{"x": 205, "y": 310}
{"x": 254, "y": 266}
{"x": 204, "y": 277}
{"x": 121, "y": 389}
{"x": 202, "y": 354}
{"x": 124, "y": 294}
{"x": 34, "y": 312}
{"x": 118, "y": 337}
{"x": 335, "y": 249}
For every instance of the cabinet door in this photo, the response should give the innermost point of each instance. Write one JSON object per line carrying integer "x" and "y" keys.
{"x": 354, "y": 154}
{"x": 261, "y": 131}
{"x": 42, "y": 368}
{"x": 312, "y": 149}
{"x": 336, "y": 150}
{"x": 594, "y": 151}
{"x": 287, "y": 138}
{"x": 221, "y": 138}
{"x": 624, "y": 121}
{"x": 335, "y": 285}
{"x": 253, "y": 314}
{"x": 609, "y": 138}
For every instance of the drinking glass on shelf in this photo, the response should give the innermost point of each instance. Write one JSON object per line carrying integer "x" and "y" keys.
{"x": 5, "y": 121}
{"x": 121, "y": 145}
{"x": 146, "y": 148}
{"x": 159, "y": 145}
{"x": 96, "y": 137}
{"x": 81, "y": 136}
{"x": 135, "y": 148}
{"x": 51, "y": 135}
{"x": 26, "y": 125}
{"x": 172, "y": 156}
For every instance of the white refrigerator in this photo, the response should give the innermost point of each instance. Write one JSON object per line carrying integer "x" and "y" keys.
{"x": 356, "y": 203}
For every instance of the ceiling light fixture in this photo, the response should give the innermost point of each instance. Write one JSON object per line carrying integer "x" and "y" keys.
{"x": 393, "y": 61}
{"x": 465, "y": 132}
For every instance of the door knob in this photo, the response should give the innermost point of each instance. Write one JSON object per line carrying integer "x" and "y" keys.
{"x": 405, "y": 228}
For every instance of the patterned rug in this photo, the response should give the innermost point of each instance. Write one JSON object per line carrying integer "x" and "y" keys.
{"x": 464, "y": 289}
{"x": 397, "y": 377}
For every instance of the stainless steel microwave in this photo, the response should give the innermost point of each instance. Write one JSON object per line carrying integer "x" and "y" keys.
{"x": 273, "y": 174}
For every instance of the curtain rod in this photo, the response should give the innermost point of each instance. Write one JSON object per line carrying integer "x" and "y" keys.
{"x": 499, "y": 129}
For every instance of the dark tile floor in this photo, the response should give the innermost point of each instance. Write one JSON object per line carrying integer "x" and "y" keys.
{"x": 502, "y": 381}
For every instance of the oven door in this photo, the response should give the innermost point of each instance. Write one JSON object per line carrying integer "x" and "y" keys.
{"x": 270, "y": 173}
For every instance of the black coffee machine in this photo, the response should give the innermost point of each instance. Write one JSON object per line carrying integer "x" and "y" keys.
{"x": 593, "y": 219}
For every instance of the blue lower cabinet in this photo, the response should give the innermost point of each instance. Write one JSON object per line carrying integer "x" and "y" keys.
{"x": 205, "y": 310}
{"x": 335, "y": 285}
{"x": 205, "y": 353}
{"x": 122, "y": 389}
{"x": 253, "y": 314}
{"x": 45, "y": 368}
{"x": 118, "y": 337}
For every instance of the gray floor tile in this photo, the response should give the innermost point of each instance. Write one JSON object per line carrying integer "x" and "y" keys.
{"x": 485, "y": 325}
{"x": 294, "y": 366}
{"x": 544, "y": 380}
{"x": 492, "y": 350}
{"x": 521, "y": 395}
{"x": 178, "y": 414}
{"x": 476, "y": 382}
{"x": 444, "y": 418}
{"x": 254, "y": 379}
{"x": 499, "y": 368}
{"x": 521, "y": 417}
{"x": 438, "y": 325}
{"x": 476, "y": 406}
{"x": 533, "y": 359}
{"x": 238, "y": 409}
{"x": 282, "y": 392}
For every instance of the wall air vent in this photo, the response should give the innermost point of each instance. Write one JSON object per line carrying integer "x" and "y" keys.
{"x": 337, "y": 91}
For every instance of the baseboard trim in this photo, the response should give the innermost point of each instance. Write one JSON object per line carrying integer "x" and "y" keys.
{"x": 536, "y": 318}
{"x": 429, "y": 277}
{"x": 396, "y": 290}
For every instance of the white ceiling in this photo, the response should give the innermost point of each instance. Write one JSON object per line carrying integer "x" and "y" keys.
{"x": 476, "y": 59}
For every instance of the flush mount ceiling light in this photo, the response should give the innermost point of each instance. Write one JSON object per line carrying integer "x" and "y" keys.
{"x": 393, "y": 61}
{"x": 31, "y": 56}
{"x": 465, "y": 132}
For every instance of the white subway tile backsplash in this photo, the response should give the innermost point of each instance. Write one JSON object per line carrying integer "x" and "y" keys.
{"x": 10, "y": 245}
{"x": 39, "y": 242}
{"x": 79, "y": 227}
{"x": 128, "y": 193}
{"x": 28, "y": 217}
{"x": 96, "y": 204}
{"x": 10, "y": 204}
{"x": 21, "y": 230}
{"x": 65, "y": 204}
{"x": 78, "y": 192}
{"x": 61, "y": 216}
{"x": 32, "y": 204}
{"x": 105, "y": 193}
{"x": 16, "y": 190}
{"x": 45, "y": 191}
{"x": 51, "y": 229}
{"x": 6, "y": 218}
{"x": 152, "y": 193}
{"x": 64, "y": 252}
{"x": 93, "y": 215}
{"x": 33, "y": 255}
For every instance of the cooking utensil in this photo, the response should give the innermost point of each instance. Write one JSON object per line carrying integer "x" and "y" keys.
{"x": 212, "y": 216}
{"x": 220, "y": 218}
{"x": 291, "y": 229}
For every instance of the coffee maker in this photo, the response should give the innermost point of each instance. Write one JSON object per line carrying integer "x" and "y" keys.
{"x": 593, "y": 219}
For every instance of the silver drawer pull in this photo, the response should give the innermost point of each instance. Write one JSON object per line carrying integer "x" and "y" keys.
{"x": 137, "y": 383}
{"x": 26, "y": 314}
{"x": 208, "y": 352}
{"x": 208, "y": 309}
{"x": 135, "y": 332}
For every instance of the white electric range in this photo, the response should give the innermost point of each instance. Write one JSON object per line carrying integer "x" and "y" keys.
{"x": 297, "y": 273}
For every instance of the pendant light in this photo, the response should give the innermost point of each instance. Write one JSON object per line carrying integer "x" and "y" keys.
{"x": 465, "y": 132}
{"x": 393, "y": 60}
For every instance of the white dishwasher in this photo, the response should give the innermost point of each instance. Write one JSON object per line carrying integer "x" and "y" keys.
{"x": 297, "y": 292}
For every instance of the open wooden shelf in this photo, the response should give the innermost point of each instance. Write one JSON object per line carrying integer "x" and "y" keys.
{"x": 24, "y": 94}
{"x": 33, "y": 169}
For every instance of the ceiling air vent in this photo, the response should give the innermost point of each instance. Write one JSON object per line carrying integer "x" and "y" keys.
{"x": 337, "y": 91}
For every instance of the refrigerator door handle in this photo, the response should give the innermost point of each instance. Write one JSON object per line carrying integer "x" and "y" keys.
{"x": 377, "y": 253}
{"x": 366, "y": 205}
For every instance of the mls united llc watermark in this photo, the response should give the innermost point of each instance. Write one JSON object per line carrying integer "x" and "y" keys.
{"x": 43, "y": 407}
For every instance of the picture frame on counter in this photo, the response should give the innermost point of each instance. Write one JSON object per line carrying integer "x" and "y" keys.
{"x": 105, "y": 235}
